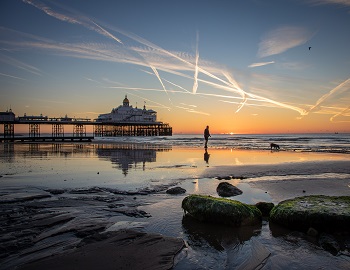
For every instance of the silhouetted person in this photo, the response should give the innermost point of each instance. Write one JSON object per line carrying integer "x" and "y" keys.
{"x": 206, "y": 136}
{"x": 206, "y": 156}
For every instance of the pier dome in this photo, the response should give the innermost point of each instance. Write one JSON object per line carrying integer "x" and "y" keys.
{"x": 126, "y": 101}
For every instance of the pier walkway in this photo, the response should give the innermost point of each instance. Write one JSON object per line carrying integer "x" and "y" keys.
{"x": 78, "y": 133}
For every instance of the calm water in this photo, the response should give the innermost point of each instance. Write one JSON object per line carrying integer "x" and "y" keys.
{"x": 331, "y": 143}
{"x": 156, "y": 163}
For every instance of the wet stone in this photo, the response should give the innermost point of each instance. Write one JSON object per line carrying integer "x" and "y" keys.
{"x": 226, "y": 189}
{"x": 176, "y": 190}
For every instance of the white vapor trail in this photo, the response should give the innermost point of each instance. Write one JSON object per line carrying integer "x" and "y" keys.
{"x": 261, "y": 64}
{"x": 107, "y": 33}
{"x": 195, "y": 81}
{"x": 70, "y": 19}
{"x": 20, "y": 65}
{"x": 160, "y": 105}
{"x": 339, "y": 88}
{"x": 339, "y": 114}
{"x": 14, "y": 77}
{"x": 240, "y": 91}
{"x": 160, "y": 80}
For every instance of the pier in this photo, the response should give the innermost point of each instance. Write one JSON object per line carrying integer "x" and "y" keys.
{"x": 77, "y": 128}
{"x": 123, "y": 120}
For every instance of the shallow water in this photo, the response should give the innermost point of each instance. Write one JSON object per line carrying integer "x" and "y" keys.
{"x": 122, "y": 185}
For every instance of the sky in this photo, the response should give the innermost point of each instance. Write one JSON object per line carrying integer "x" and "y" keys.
{"x": 239, "y": 66}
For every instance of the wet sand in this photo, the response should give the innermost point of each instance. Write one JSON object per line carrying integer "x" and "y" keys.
{"x": 70, "y": 227}
{"x": 124, "y": 249}
{"x": 288, "y": 180}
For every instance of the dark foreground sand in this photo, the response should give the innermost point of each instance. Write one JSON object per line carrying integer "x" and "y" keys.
{"x": 125, "y": 249}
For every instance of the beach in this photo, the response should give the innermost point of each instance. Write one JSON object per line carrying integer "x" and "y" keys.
{"x": 69, "y": 206}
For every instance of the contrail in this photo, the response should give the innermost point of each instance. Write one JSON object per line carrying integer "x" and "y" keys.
{"x": 160, "y": 80}
{"x": 107, "y": 33}
{"x": 343, "y": 112}
{"x": 326, "y": 96}
{"x": 18, "y": 64}
{"x": 91, "y": 80}
{"x": 195, "y": 83}
{"x": 161, "y": 105}
{"x": 71, "y": 19}
{"x": 261, "y": 64}
{"x": 14, "y": 77}
{"x": 242, "y": 92}
{"x": 177, "y": 86}
{"x": 299, "y": 110}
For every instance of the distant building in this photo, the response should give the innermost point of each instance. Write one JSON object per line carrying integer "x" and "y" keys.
{"x": 7, "y": 116}
{"x": 127, "y": 114}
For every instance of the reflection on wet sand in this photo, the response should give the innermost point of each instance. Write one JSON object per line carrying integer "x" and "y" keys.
{"x": 128, "y": 155}
{"x": 124, "y": 156}
{"x": 217, "y": 236}
{"x": 206, "y": 156}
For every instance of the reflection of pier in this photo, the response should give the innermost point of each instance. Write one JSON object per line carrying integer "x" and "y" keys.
{"x": 127, "y": 156}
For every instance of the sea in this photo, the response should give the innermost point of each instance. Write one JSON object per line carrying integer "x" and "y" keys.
{"x": 328, "y": 143}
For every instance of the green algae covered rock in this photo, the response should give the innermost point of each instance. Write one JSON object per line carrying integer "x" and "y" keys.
{"x": 324, "y": 213}
{"x": 220, "y": 210}
{"x": 265, "y": 208}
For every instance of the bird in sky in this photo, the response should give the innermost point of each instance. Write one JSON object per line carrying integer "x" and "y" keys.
{"x": 309, "y": 48}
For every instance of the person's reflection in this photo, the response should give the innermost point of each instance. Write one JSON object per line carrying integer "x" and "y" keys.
{"x": 206, "y": 156}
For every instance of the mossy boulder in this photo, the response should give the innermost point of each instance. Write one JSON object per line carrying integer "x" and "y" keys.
{"x": 265, "y": 208}
{"x": 220, "y": 210}
{"x": 324, "y": 213}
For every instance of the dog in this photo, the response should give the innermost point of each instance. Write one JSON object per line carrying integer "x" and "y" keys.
{"x": 274, "y": 146}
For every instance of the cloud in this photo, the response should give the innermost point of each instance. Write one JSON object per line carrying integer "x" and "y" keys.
{"x": 261, "y": 64}
{"x": 331, "y": 2}
{"x": 282, "y": 39}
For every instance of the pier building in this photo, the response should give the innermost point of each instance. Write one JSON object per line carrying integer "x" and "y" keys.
{"x": 125, "y": 120}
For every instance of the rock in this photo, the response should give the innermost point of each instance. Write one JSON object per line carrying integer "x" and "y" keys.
{"x": 265, "y": 208}
{"x": 323, "y": 213}
{"x": 312, "y": 232}
{"x": 328, "y": 243}
{"x": 220, "y": 210}
{"x": 225, "y": 189}
{"x": 55, "y": 191}
{"x": 176, "y": 190}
